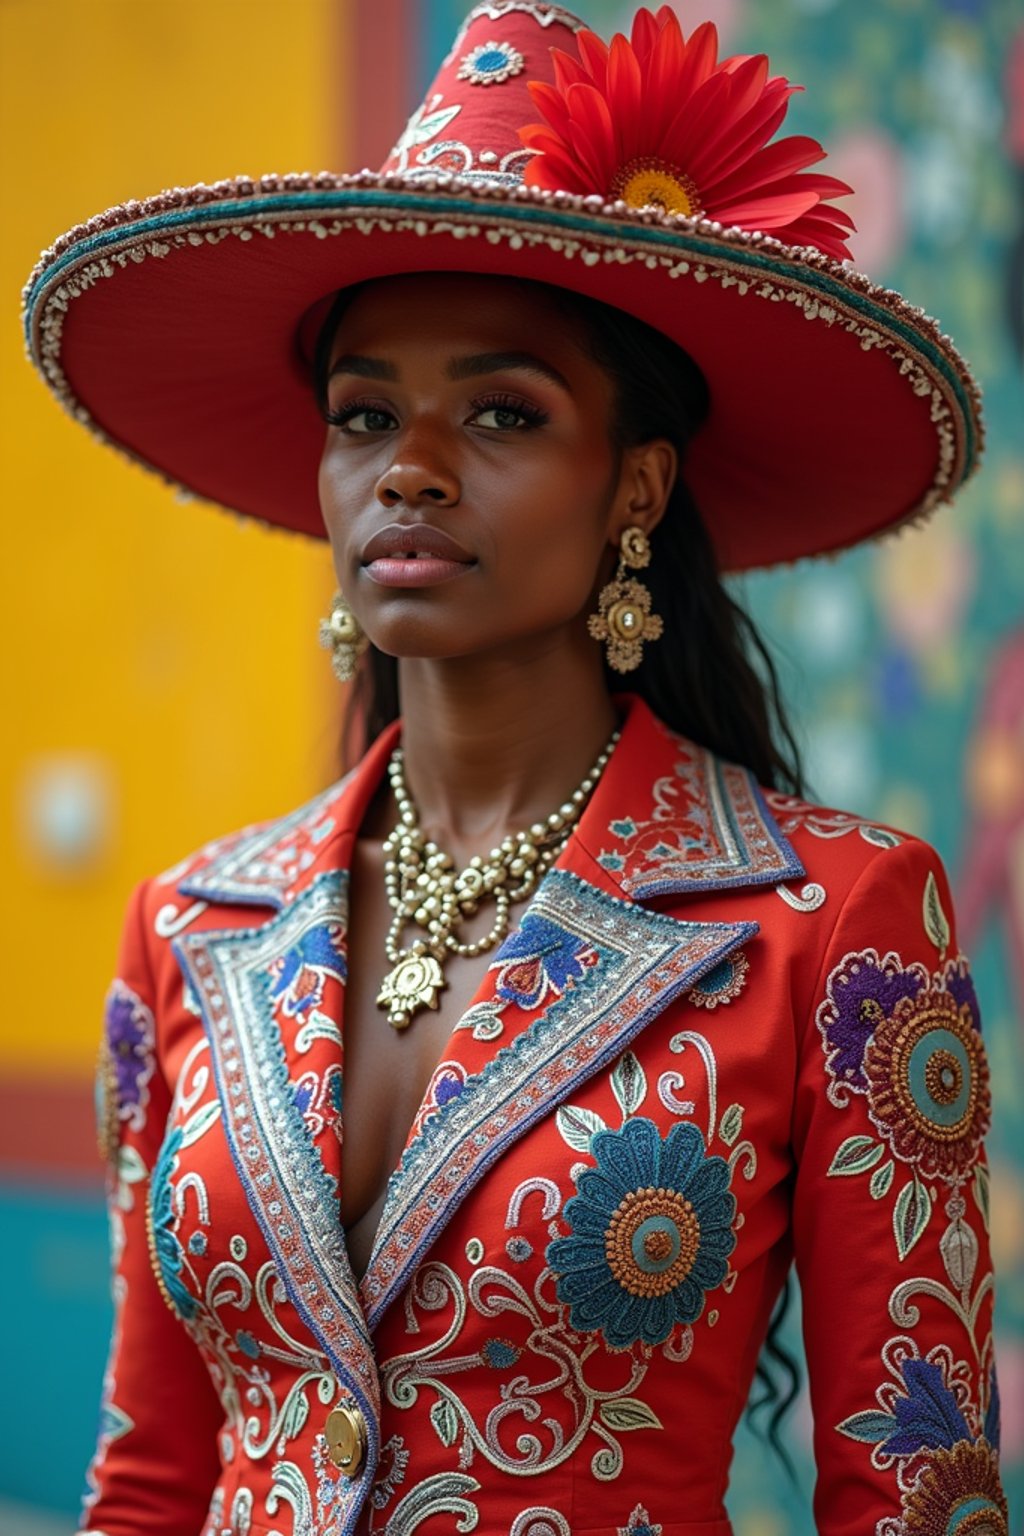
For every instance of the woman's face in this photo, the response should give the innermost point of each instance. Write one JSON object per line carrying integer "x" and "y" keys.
{"x": 467, "y": 404}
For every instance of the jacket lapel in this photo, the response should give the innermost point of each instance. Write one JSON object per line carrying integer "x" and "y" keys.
{"x": 271, "y": 998}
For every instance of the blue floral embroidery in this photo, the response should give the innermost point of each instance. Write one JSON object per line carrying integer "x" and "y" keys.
{"x": 651, "y": 1233}
{"x": 537, "y": 959}
{"x": 248, "y": 1344}
{"x": 168, "y": 1254}
{"x": 499, "y": 1354}
{"x": 300, "y": 973}
{"x": 723, "y": 984}
{"x": 491, "y": 64}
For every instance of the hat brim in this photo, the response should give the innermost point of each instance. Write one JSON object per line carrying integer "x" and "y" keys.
{"x": 172, "y": 328}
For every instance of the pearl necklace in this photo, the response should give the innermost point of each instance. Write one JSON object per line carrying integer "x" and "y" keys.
{"x": 424, "y": 888}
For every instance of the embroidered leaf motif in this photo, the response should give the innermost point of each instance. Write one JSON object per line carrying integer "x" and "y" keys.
{"x": 981, "y": 1191}
{"x": 296, "y": 1413}
{"x": 629, "y": 1413}
{"x": 935, "y": 924}
{"x": 856, "y": 1155}
{"x": 422, "y": 127}
{"x": 731, "y": 1124}
{"x": 909, "y": 1219}
{"x": 629, "y": 1083}
{"x": 577, "y": 1126}
{"x": 881, "y": 1180}
{"x": 199, "y": 1122}
{"x": 446, "y": 1421}
{"x": 959, "y": 1249}
{"x": 871, "y": 1427}
{"x": 130, "y": 1167}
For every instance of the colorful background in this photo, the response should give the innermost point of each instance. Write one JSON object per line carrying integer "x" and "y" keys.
{"x": 128, "y": 745}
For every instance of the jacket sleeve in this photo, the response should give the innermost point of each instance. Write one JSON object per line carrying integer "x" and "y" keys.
{"x": 891, "y": 1215}
{"x": 156, "y": 1459}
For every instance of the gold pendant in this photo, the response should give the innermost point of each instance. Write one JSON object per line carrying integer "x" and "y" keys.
{"x": 409, "y": 986}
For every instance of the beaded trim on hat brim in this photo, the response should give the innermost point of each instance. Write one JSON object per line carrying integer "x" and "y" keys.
{"x": 618, "y": 253}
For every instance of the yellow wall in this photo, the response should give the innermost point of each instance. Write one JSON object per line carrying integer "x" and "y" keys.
{"x": 167, "y": 649}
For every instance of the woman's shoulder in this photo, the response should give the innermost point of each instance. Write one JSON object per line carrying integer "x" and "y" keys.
{"x": 258, "y": 866}
{"x": 844, "y": 844}
{"x": 260, "y": 858}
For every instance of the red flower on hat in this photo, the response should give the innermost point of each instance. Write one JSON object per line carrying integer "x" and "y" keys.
{"x": 657, "y": 120}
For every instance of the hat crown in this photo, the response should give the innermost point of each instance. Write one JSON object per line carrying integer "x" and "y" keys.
{"x": 468, "y": 123}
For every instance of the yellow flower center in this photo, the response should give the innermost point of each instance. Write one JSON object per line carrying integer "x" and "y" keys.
{"x": 653, "y": 183}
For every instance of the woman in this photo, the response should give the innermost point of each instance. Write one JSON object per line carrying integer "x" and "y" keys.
{"x": 463, "y": 1125}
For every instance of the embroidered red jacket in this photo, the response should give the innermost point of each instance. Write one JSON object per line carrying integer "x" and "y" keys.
{"x": 731, "y": 1028}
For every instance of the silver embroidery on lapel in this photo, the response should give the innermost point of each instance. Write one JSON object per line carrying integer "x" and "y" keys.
{"x": 708, "y": 829}
{"x": 292, "y": 1196}
{"x": 262, "y": 866}
{"x": 646, "y": 959}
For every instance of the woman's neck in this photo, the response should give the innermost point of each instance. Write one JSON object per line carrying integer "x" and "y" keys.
{"x": 493, "y": 743}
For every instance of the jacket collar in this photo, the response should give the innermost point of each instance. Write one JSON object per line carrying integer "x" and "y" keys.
{"x": 668, "y": 818}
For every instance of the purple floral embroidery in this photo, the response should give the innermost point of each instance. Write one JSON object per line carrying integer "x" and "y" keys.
{"x": 862, "y": 992}
{"x": 959, "y": 983}
{"x": 129, "y": 1039}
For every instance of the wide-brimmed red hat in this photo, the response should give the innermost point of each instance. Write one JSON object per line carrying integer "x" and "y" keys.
{"x": 179, "y": 329}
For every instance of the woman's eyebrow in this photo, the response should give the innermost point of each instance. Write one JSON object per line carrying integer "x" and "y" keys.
{"x": 458, "y": 367}
{"x": 498, "y": 362}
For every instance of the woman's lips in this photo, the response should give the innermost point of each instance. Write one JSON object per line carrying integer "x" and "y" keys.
{"x": 423, "y": 571}
{"x": 414, "y": 555}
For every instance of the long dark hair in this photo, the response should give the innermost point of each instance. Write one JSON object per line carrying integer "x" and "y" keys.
{"x": 700, "y": 678}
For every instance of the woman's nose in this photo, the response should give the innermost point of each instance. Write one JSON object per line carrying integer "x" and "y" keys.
{"x": 417, "y": 475}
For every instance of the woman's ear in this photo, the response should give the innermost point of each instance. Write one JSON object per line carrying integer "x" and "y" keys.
{"x": 648, "y": 473}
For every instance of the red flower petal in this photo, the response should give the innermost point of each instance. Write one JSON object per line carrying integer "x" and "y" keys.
{"x": 557, "y": 170}
{"x": 550, "y": 104}
{"x": 741, "y": 91}
{"x": 819, "y": 233}
{"x": 568, "y": 71}
{"x": 766, "y": 211}
{"x": 663, "y": 85}
{"x": 644, "y": 34}
{"x": 778, "y": 159}
{"x": 755, "y": 130}
{"x": 593, "y": 136}
{"x": 594, "y": 55}
{"x": 694, "y": 119}
{"x": 625, "y": 99}
{"x": 701, "y": 53}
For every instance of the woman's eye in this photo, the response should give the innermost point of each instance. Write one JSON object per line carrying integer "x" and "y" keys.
{"x": 507, "y": 416}
{"x": 359, "y": 419}
{"x": 503, "y": 418}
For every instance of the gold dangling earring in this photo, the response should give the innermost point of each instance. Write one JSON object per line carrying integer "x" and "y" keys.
{"x": 342, "y": 636}
{"x": 625, "y": 619}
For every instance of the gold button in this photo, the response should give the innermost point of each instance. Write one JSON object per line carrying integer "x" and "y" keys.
{"x": 345, "y": 1432}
